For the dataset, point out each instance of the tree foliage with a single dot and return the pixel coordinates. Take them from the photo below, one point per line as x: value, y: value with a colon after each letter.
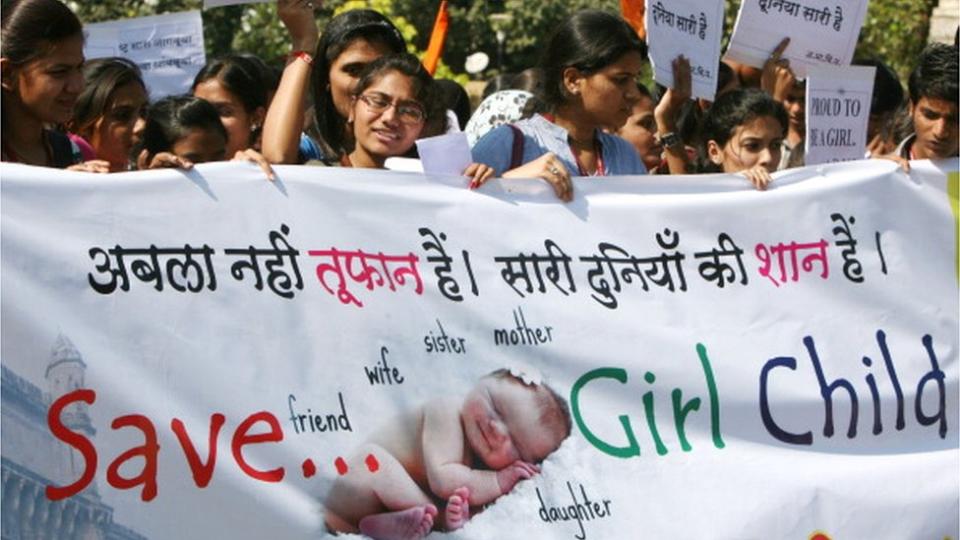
x: 894, y: 30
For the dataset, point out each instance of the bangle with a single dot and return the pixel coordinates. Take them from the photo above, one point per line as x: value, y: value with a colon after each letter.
x: 303, y: 55
x: 669, y: 140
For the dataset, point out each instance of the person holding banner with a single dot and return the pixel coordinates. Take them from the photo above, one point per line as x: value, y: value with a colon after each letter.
x: 390, y: 107
x: 234, y: 85
x: 183, y: 130
x: 350, y: 41
x: 41, y: 57
x: 590, y: 69
x: 744, y: 130
x: 110, y: 111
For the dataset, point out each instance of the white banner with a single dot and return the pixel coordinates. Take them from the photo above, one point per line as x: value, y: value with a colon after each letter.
x: 206, y: 354
x: 168, y: 48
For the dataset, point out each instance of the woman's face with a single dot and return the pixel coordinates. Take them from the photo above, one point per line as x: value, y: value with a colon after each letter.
x: 236, y: 120
x: 608, y: 94
x: 200, y: 145
x: 640, y: 130
x: 387, y: 118
x: 345, y: 70
x: 48, y: 87
x: 756, y: 142
x: 114, y: 135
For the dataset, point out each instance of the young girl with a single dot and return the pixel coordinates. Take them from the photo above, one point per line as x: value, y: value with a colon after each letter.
x: 744, y: 131
x: 108, y: 111
x: 390, y: 106
x: 590, y: 68
x: 41, y: 54
x: 183, y: 130
x: 234, y: 85
x: 350, y: 41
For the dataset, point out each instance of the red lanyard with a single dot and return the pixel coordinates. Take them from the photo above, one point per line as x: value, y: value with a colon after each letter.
x: 597, y: 147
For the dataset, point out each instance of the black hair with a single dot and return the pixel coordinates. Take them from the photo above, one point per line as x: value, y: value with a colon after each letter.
x: 172, y: 117
x: 270, y: 74
x: 887, y: 91
x: 725, y: 75
x: 101, y: 78
x: 530, y: 80
x: 342, y: 30
x: 30, y: 27
x: 936, y: 74
x: 645, y: 92
x: 737, y: 107
x: 238, y: 75
x: 455, y: 98
x: 589, y: 41
x: 503, y: 81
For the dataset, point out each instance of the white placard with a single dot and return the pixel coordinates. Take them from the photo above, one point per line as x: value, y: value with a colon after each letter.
x: 820, y: 32
x: 445, y: 154
x: 168, y: 48
x: 837, y: 112
x: 691, y: 28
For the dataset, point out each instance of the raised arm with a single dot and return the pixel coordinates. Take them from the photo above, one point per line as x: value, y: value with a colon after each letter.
x: 666, y: 114
x: 284, y: 122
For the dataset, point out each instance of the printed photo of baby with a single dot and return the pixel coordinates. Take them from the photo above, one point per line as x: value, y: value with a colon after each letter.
x: 441, y: 459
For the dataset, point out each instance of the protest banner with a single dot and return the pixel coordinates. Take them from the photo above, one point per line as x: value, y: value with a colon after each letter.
x: 168, y: 48
x: 820, y: 33
x: 206, y: 354
x: 837, y: 113
x: 691, y: 28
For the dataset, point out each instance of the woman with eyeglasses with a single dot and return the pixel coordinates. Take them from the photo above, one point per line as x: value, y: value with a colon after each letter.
x: 333, y: 63
x: 391, y: 104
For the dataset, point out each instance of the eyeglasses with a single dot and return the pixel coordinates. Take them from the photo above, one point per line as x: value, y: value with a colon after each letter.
x: 407, y: 112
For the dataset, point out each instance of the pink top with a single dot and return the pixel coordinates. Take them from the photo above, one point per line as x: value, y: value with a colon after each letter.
x: 85, y: 149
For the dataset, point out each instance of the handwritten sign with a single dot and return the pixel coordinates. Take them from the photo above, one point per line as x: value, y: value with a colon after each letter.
x: 838, y: 109
x: 821, y: 33
x: 168, y: 48
x: 691, y: 28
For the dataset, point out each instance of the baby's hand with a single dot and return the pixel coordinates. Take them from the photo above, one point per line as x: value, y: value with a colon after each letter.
x: 508, y: 476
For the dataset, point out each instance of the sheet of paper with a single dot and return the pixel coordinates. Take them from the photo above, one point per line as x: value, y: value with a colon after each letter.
x: 168, y: 48
x: 820, y: 32
x: 838, y: 109
x: 445, y: 154
x: 691, y: 28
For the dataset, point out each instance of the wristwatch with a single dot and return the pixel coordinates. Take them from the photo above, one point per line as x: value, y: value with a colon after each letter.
x: 669, y: 139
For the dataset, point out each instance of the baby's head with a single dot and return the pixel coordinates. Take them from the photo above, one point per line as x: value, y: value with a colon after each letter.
x: 505, y: 420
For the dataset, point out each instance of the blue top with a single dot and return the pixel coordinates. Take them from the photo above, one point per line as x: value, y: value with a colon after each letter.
x: 541, y: 136
x: 308, y: 149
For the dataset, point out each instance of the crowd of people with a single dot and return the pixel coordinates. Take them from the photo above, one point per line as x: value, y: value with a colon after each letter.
x: 351, y: 96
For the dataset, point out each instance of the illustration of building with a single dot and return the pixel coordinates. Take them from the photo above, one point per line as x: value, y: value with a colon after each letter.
x: 33, y: 459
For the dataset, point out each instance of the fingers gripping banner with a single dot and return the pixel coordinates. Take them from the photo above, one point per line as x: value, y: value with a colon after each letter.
x: 206, y: 354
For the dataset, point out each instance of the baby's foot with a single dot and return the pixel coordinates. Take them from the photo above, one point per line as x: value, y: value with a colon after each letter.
x: 410, y: 524
x: 457, y: 512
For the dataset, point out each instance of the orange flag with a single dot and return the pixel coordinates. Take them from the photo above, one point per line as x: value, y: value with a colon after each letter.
x: 437, y: 39
x: 632, y: 11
